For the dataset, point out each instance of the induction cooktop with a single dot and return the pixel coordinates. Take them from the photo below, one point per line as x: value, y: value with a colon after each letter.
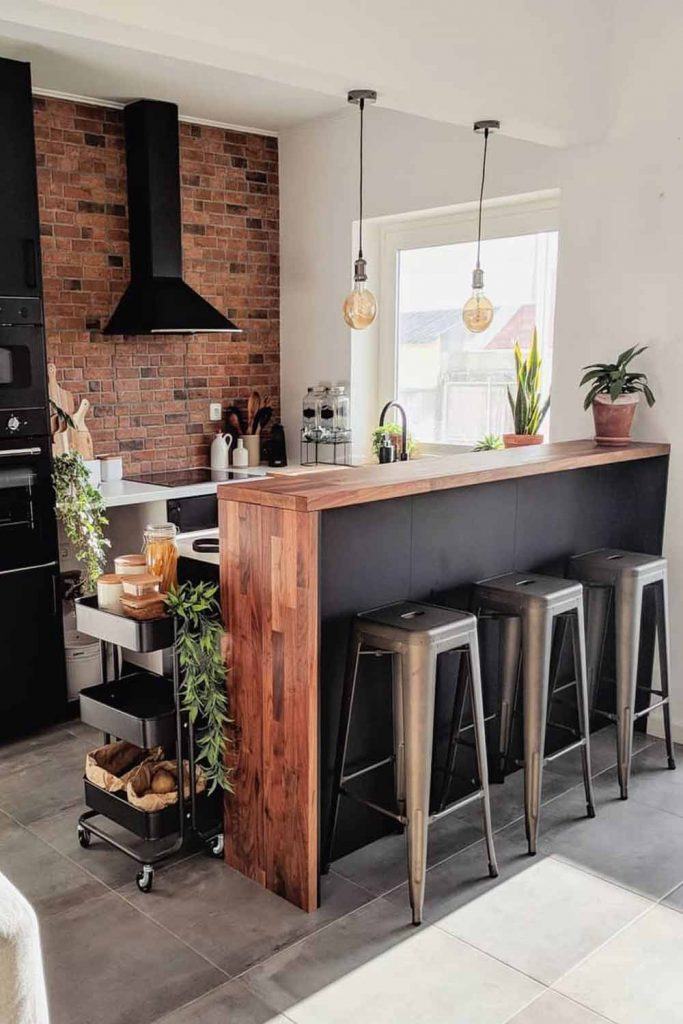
x: 186, y: 477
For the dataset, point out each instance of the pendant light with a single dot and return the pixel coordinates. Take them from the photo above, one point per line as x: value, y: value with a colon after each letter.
x: 477, y: 313
x: 360, y: 305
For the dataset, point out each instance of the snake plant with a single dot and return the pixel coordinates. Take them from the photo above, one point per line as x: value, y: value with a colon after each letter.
x: 527, y: 411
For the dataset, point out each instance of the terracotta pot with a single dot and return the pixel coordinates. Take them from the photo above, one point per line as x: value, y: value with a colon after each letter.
x: 521, y: 440
x: 613, y: 419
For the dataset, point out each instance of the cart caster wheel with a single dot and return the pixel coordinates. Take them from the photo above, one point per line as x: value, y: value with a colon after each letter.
x: 145, y: 878
x: 84, y: 837
x: 216, y: 846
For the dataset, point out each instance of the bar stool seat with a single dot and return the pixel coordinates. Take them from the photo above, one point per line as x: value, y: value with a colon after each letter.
x: 624, y: 575
x: 414, y: 634
x: 538, y: 603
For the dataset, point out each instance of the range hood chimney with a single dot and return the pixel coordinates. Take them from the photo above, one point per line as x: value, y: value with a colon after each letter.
x: 157, y: 300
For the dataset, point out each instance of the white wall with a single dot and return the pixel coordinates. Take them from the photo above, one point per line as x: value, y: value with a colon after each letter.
x: 620, y: 278
x: 411, y: 164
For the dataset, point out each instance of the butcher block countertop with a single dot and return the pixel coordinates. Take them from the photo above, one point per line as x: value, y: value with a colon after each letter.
x: 311, y: 492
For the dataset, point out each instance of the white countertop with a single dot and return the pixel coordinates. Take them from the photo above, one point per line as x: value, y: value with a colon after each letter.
x: 137, y: 492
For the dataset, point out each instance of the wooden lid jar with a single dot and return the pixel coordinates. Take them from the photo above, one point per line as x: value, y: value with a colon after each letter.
x: 130, y: 565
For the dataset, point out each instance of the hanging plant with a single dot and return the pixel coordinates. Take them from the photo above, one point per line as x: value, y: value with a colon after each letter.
x: 202, y: 667
x: 80, y: 509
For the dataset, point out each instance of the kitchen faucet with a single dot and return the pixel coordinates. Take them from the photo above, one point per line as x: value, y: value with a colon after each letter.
x: 404, y: 427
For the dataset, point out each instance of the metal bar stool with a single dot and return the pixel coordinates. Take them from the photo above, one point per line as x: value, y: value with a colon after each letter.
x: 539, y: 602
x: 624, y: 575
x: 414, y: 635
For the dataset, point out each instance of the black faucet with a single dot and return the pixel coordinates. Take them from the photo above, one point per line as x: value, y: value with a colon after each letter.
x: 404, y: 427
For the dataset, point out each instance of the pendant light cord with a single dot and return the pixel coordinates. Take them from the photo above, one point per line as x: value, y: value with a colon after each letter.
x: 481, y: 193
x: 360, y: 187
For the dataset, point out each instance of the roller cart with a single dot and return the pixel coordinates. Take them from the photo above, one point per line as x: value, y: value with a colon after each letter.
x: 146, y: 709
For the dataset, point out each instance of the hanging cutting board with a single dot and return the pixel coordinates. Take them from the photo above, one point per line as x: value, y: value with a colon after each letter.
x: 79, y: 438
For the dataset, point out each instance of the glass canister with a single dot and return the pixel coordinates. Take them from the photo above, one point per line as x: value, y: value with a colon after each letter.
x: 309, y: 415
x: 326, y: 415
x: 342, y: 420
x: 161, y: 552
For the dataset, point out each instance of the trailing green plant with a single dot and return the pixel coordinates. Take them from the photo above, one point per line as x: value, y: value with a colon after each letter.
x: 202, y: 667
x: 527, y: 411
x: 614, y: 379
x: 393, y: 430
x: 80, y: 508
x: 489, y: 443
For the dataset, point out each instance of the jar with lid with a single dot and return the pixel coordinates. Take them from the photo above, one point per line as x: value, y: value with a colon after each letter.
x: 309, y: 415
x: 326, y: 415
x: 161, y: 553
x: 342, y: 423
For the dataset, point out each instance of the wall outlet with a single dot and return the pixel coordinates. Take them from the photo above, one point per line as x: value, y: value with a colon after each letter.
x: 215, y: 412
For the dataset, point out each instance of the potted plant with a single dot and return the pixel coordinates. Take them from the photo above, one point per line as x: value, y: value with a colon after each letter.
x: 489, y: 443
x: 394, y: 432
x: 614, y: 393
x: 527, y: 411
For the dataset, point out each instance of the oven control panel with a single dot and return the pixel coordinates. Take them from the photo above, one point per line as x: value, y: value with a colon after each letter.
x: 23, y: 422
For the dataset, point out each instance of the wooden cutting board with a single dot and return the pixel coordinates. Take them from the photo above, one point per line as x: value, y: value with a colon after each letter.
x: 79, y: 439
x: 68, y: 439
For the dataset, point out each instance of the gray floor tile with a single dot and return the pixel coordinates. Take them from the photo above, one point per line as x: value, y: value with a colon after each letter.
x: 381, y: 865
x: 232, y: 920
x: 330, y: 954
x: 628, y: 842
x: 49, y: 881
x: 507, y: 798
x: 31, y: 751
x: 635, y: 978
x: 651, y: 782
x: 465, y: 876
x: 551, y: 1006
x: 232, y: 1003
x: 107, y: 963
x: 603, y: 753
x: 45, y: 780
x: 675, y: 899
x: 562, y: 912
x: 113, y: 868
x: 430, y: 978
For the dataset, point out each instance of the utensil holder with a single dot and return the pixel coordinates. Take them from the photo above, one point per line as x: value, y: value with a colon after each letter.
x: 252, y: 442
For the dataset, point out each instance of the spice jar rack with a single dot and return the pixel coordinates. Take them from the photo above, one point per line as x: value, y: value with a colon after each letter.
x: 144, y: 708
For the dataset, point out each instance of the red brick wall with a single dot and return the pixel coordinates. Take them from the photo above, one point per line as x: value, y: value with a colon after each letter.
x: 151, y: 397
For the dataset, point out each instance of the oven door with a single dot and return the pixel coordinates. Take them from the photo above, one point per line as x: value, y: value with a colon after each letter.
x: 28, y: 530
x: 23, y: 383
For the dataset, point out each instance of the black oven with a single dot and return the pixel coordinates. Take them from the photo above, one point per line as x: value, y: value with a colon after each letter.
x: 23, y: 386
x: 28, y: 533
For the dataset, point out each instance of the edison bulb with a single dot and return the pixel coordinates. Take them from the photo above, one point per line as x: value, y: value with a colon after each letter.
x: 477, y: 313
x: 360, y: 307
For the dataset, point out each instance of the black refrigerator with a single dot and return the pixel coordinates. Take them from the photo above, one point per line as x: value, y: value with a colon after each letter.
x: 32, y: 678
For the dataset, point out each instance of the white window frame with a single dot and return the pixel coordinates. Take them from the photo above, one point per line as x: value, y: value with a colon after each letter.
x: 526, y: 214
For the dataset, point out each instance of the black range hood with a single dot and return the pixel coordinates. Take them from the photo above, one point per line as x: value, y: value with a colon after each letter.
x: 157, y: 300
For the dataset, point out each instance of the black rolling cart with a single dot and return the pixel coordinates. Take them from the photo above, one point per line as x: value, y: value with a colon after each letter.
x: 146, y: 709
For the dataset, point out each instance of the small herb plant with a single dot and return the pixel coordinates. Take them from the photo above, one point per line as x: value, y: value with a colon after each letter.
x: 198, y: 643
x: 527, y: 411
x: 80, y: 509
x: 489, y: 443
x: 394, y: 431
x: 614, y: 379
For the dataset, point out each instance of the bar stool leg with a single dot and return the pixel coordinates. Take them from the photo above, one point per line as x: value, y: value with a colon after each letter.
x: 536, y: 643
x: 583, y: 707
x: 510, y: 647
x: 351, y: 673
x: 596, y: 611
x: 662, y: 612
x: 419, y: 685
x: 457, y: 714
x: 480, y: 743
x: 627, y: 609
x: 399, y: 734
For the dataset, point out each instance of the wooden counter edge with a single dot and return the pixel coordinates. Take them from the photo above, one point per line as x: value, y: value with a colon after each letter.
x: 309, y: 493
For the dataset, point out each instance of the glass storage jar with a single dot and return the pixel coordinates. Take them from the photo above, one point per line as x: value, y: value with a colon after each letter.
x: 161, y: 553
x: 326, y: 415
x: 309, y: 415
x: 342, y: 422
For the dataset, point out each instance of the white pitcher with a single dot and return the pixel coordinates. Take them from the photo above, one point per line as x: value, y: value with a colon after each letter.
x: 220, y: 450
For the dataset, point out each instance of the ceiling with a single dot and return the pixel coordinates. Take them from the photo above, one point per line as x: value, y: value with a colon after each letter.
x: 535, y: 65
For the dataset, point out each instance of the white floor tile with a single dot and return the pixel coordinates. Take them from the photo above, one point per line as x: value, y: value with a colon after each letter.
x: 546, y: 919
x: 636, y: 978
x: 431, y: 978
x: 552, y: 1007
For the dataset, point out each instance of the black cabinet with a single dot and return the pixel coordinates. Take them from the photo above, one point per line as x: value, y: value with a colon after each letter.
x: 32, y: 683
x: 19, y: 224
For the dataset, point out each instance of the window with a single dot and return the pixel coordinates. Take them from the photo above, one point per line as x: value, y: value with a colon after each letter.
x: 452, y: 383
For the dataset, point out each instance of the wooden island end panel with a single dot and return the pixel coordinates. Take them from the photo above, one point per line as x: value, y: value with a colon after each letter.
x: 269, y: 595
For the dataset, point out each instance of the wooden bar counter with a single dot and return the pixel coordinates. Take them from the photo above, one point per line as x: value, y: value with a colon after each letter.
x: 301, y: 555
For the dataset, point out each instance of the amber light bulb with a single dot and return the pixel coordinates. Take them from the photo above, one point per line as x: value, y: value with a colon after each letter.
x: 477, y: 313
x: 360, y: 305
